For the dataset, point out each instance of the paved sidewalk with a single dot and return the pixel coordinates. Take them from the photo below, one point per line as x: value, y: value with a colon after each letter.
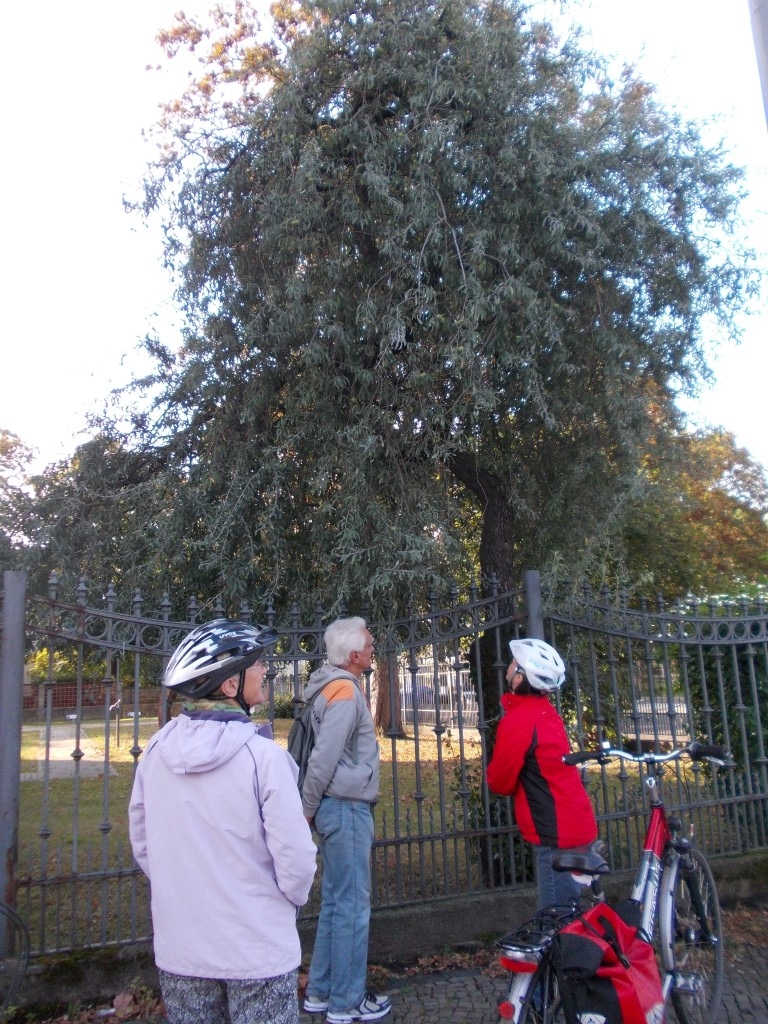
x: 745, y: 999
x: 469, y: 997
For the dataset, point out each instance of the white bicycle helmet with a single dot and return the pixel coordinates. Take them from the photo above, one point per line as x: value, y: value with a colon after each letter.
x: 214, y: 652
x: 542, y: 665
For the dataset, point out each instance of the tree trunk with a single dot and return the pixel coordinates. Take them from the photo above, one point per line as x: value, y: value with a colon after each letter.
x: 388, y: 715
x: 498, y: 554
x: 499, y: 533
x: 499, y: 565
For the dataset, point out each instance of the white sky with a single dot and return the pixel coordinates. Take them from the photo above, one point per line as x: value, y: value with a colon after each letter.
x: 81, y: 280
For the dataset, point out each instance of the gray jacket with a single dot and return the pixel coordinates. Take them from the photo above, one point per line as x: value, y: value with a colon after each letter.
x: 344, y: 762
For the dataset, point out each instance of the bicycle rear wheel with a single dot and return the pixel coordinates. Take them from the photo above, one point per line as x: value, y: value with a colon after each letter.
x: 542, y: 1004
x: 14, y: 954
x: 691, y: 935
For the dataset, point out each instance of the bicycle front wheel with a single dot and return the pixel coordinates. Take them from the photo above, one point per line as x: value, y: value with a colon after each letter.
x: 691, y: 936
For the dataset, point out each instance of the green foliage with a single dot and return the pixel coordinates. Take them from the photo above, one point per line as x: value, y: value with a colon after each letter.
x: 102, y: 512
x: 283, y: 705
x: 438, y: 275
x: 64, y: 664
x: 16, y: 505
x: 503, y: 856
x: 740, y: 724
x: 701, y: 526
x: 741, y: 729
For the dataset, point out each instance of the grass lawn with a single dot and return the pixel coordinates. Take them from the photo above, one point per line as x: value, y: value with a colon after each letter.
x: 70, y: 806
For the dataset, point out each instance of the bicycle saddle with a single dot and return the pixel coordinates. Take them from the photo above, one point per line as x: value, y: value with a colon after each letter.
x: 584, y: 860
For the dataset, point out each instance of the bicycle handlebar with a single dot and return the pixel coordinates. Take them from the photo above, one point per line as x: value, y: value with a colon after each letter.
x: 712, y: 752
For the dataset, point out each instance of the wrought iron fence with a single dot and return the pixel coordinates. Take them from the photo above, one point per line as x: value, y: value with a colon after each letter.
x: 636, y: 675
x: 657, y: 675
x: 438, y: 692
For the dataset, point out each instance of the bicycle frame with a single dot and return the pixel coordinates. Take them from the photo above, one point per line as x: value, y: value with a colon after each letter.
x: 658, y: 866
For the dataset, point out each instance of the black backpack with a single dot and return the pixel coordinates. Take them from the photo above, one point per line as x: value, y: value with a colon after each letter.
x: 301, y: 738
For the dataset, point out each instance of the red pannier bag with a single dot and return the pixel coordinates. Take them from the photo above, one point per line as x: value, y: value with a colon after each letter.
x: 606, y: 969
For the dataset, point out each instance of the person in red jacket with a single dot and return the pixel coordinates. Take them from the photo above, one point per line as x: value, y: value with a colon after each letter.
x: 552, y: 808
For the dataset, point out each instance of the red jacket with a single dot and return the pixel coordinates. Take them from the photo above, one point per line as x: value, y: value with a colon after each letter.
x: 552, y: 808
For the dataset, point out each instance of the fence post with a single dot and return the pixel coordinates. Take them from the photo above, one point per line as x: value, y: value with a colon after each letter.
x: 534, y: 625
x: 11, y: 703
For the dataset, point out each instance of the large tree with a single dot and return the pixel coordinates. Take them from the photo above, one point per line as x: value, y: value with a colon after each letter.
x: 436, y: 270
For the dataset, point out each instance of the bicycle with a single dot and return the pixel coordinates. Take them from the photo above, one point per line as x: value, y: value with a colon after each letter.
x: 14, y: 954
x: 674, y: 891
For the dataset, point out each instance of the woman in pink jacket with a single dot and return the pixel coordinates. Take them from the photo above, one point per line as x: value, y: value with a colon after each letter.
x: 552, y: 809
x: 216, y: 825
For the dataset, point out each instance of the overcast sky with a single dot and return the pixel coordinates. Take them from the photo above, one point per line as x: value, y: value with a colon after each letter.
x: 82, y: 281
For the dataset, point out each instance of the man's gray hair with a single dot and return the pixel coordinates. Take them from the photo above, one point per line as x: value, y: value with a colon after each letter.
x: 342, y: 637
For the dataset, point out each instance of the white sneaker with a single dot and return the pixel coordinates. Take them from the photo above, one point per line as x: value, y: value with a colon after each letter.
x: 313, y: 1005
x: 371, y: 1007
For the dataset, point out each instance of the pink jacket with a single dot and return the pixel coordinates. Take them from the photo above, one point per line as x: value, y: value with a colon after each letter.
x: 217, y: 826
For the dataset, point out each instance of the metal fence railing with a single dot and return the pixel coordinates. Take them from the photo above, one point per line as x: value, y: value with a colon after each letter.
x: 439, y: 692
x: 661, y: 676
x: 635, y: 675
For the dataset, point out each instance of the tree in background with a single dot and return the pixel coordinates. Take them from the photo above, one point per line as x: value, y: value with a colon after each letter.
x: 102, y: 511
x: 437, y: 273
x: 702, y: 525
x: 16, y: 502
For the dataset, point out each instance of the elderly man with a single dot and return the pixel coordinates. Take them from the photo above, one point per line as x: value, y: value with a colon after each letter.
x: 341, y: 785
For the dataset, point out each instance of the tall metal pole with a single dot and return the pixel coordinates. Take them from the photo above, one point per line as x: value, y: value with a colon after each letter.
x: 11, y: 702
x: 759, y: 12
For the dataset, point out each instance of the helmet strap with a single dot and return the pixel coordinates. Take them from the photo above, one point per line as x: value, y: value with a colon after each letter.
x: 239, y: 695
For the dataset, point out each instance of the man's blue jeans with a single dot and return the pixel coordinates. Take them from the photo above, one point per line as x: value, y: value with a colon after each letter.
x: 554, y: 886
x: 340, y: 957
